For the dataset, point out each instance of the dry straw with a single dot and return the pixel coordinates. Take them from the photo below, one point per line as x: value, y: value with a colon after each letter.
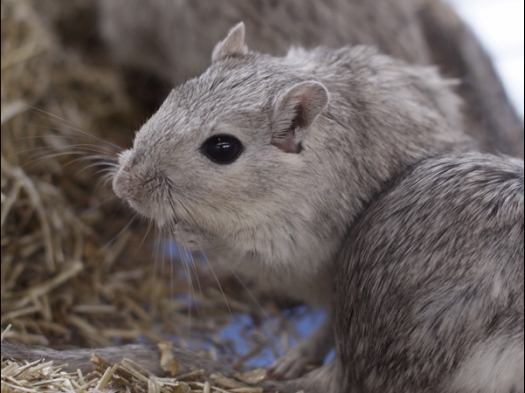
x: 42, y: 376
x: 74, y: 271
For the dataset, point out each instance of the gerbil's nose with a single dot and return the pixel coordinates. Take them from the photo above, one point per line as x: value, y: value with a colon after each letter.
x: 125, y: 184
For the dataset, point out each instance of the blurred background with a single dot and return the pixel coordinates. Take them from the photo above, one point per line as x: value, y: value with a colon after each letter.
x: 500, y: 27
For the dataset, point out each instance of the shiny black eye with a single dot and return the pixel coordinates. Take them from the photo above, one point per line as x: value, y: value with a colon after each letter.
x: 222, y: 149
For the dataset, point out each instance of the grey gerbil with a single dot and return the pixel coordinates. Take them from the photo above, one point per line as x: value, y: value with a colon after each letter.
x: 308, y: 139
x: 173, y: 39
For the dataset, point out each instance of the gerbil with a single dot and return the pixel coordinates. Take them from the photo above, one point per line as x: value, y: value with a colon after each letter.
x: 173, y: 39
x: 268, y: 161
x: 429, y: 286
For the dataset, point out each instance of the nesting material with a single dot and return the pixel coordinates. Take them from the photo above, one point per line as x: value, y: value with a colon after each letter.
x: 77, y: 268
x: 42, y: 376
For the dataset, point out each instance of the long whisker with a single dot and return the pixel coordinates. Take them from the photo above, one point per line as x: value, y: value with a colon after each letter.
x: 191, y: 295
x: 150, y: 224
x: 249, y: 292
x: 98, y: 205
x: 55, y: 155
x: 123, y: 230
x: 96, y: 164
x: 191, y: 288
x: 157, y: 256
x: 218, y: 283
x: 186, y: 253
x: 69, y: 124
x: 86, y: 148
x: 54, y: 138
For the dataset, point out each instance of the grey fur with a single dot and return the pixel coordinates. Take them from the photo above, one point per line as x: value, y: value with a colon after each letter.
x: 429, y: 291
x: 275, y: 215
x: 173, y: 38
x: 429, y: 286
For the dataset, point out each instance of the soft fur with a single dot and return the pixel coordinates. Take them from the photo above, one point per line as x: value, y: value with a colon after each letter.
x: 430, y: 283
x: 354, y: 119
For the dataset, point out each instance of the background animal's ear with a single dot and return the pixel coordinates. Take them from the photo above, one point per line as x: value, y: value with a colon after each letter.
x: 294, y: 111
x: 233, y: 44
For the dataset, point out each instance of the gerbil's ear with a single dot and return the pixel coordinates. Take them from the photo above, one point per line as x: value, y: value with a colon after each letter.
x: 233, y: 44
x: 294, y: 111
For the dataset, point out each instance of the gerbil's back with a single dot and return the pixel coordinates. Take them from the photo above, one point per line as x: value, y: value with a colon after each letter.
x: 370, y: 80
x: 433, y: 276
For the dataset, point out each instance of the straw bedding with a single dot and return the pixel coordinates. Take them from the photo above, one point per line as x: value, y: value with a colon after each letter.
x: 77, y: 268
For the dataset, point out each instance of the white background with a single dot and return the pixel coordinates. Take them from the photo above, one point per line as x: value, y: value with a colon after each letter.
x: 499, y: 25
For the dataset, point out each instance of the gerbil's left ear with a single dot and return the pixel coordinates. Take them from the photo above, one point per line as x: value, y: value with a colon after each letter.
x: 233, y: 44
x: 294, y: 111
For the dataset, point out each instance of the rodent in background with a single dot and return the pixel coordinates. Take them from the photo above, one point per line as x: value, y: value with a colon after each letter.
x: 173, y: 39
x: 267, y: 161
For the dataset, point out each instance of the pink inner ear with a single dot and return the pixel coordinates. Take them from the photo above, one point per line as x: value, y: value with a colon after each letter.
x: 295, y: 112
x: 287, y: 143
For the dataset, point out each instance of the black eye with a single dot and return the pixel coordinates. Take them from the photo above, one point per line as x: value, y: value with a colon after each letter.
x: 222, y: 149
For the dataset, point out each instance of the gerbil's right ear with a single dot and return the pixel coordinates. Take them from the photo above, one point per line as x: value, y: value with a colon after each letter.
x: 233, y: 44
x: 294, y: 111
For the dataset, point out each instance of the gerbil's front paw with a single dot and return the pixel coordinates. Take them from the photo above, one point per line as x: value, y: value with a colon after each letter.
x: 293, y: 364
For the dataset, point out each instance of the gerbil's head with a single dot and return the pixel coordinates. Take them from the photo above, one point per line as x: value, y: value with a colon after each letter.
x: 223, y: 153
x: 253, y: 156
